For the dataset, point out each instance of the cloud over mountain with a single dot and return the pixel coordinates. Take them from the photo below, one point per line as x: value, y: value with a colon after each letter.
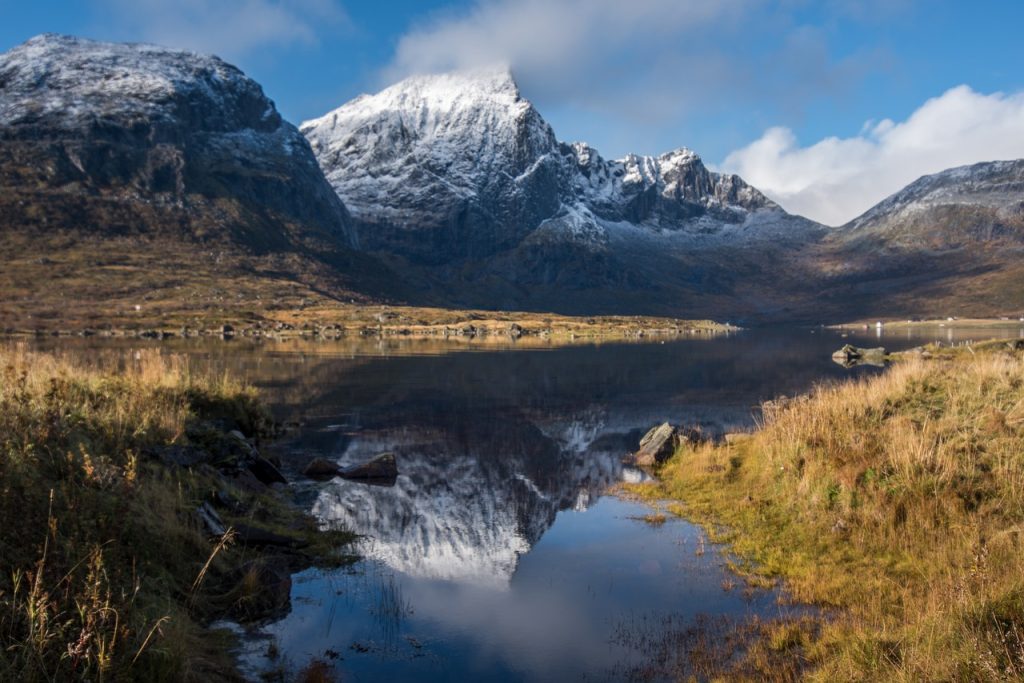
x: 836, y: 179
x: 647, y: 66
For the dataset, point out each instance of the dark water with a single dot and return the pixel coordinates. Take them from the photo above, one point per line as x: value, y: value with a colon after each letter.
x: 498, y: 555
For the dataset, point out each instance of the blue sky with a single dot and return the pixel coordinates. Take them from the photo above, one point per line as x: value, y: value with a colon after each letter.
x: 791, y: 93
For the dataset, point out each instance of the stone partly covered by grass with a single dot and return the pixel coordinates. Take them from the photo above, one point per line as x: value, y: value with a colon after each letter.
x: 107, y: 572
x: 896, y: 502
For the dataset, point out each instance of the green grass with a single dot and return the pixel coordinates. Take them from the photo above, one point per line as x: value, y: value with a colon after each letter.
x: 104, y: 571
x: 894, y: 502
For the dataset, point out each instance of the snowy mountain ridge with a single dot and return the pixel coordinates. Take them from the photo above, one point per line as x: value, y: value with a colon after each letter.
x: 441, y: 154
x: 993, y: 184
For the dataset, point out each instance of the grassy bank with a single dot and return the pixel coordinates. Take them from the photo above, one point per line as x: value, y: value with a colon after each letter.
x: 896, y: 502
x: 106, y: 572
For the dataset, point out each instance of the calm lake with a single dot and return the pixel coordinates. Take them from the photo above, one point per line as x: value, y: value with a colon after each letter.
x: 499, y: 554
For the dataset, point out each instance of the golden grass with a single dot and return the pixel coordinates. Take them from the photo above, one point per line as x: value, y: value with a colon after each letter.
x: 897, y: 500
x: 99, y: 547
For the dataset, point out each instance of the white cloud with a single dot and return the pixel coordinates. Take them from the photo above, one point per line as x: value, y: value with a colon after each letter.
x: 641, y: 62
x: 228, y: 28
x: 837, y: 179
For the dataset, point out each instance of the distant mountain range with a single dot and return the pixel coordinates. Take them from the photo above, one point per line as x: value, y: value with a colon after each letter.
x: 453, y: 190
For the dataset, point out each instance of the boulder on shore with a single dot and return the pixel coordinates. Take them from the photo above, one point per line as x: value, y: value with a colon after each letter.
x: 656, y: 446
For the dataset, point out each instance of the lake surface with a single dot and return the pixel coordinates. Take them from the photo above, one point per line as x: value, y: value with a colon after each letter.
x: 498, y: 554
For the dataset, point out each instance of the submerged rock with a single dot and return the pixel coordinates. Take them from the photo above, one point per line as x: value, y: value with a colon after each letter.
x: 381, y: 467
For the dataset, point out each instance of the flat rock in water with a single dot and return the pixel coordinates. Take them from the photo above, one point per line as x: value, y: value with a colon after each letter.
x: 850, y: 355
x: 321, y: 468
x: 381, y: 467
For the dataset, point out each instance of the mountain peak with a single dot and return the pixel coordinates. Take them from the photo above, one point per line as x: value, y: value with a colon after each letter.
x: 429, y: 96
x: 682, y: 156
x: 982, y: 195
x: 58, y: 78
x: 494, y: 80
x: 433, y: 141
x: 48, y: 51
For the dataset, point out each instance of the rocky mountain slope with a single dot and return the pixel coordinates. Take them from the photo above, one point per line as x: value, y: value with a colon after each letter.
x: 110, y: 148
x: 458, y: 174
x: 951, y: 243
x: 128, y: 123
x: 959, y: 207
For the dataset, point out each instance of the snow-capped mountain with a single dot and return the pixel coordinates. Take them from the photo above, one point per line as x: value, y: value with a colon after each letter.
x: 441, y: 167
x: 964, y: 205
x: 181, y: 142
x: 447, y: 167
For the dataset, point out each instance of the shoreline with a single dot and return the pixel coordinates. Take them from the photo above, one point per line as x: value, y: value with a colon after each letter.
x: 860, y: 499
x: 948, y: 323
x: 386, y: 322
